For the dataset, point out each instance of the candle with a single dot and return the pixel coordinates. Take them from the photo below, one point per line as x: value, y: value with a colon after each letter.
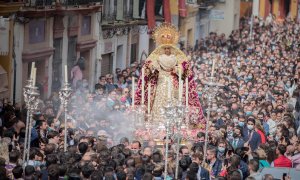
x: 213, y: 68
x: 32, y: 67
x: 66, y: 74
x: 179, y: 85
x: 132, y: 90
x: 149, y: 95
x: 186, y: 92
x: 169, y: 88
x: 34, y: 76
x: 143, y: 88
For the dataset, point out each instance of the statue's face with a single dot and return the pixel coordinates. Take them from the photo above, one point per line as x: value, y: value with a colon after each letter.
x: 167, y: 51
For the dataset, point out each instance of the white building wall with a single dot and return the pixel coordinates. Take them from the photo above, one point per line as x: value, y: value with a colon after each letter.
x: 231, y: 9
x: 255, y: 10
x: 50, y: 58
x: 143, y: 45
x: 19, y: 43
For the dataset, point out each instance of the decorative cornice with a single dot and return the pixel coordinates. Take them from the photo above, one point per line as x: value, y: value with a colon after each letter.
x: 86, y: 45
x: 33, y: 12
x: 7, y: 9
x: 28, y: 56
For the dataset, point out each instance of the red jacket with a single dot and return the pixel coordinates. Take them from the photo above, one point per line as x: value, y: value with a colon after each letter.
x: 262, y: 136
x: 282, y: 161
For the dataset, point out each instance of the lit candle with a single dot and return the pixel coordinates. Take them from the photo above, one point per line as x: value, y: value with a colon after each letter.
x: 66, y: 74
x: 32, y: 67
x: 34, y: 76
x: 186, y: 92
x: 179, y: 85
x: 149, y: 95
x: 143, y: 88
x: 132, y: 90
x: 169, y: 88
x: 213, y: 68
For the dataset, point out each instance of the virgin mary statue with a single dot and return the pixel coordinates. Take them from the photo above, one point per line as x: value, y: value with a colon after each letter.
x: 168, y: 63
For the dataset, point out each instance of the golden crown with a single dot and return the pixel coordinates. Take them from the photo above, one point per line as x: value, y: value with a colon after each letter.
x: 166, y: 34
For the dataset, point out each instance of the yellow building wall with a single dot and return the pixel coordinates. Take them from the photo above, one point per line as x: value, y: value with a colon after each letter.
x: 174, y: 7
x: 262, y: 8
x: 294, y: 8
x: 276, y: 8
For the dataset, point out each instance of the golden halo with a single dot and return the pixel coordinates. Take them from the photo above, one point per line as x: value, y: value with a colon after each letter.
x: 166, y: 34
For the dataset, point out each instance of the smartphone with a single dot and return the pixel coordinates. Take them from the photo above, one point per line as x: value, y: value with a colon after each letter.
x: 284, y: 176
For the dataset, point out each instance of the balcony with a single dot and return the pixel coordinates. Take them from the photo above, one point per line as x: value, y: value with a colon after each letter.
x: 44, y: 4
x: 204, y: 4
x: 9, y: 7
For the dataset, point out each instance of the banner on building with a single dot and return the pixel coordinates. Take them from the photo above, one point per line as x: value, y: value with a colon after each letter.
x: 217, y: 15
x: 4, y: 36
x: 182, y: 8
x: 150, y: 14
x: 167, y: 11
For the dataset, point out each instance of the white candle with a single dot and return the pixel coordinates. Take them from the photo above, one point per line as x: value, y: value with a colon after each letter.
x: 132, y: 90
x: 213, y: 68
x: 179, y: 85
x: 66, y: 74
x: 186, y: 92
x: 34, y: 76
x: 31, y: 72
x: 169, y: 88
x: 143, y: 88
x: 149, y: 95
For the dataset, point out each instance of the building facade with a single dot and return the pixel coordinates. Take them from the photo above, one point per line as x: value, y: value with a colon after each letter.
x: 53, y: 35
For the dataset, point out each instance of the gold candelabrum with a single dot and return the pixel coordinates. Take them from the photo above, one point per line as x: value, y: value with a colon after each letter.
x: 31, y: 95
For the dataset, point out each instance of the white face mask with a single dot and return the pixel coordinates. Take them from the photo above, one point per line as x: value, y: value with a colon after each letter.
x: 250, y: 127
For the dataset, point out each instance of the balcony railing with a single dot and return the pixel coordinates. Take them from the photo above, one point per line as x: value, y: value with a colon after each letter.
x: 206, y: 3
x: 43, y: 3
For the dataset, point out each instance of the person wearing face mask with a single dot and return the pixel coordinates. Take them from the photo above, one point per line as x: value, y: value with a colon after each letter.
x: 237, y: 141
x: 221, y: 154
x: 251, y: 137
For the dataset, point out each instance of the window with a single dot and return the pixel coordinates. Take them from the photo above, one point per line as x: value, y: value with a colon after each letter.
x: 37, y: 31
x: 133, y: 53
x: 86, y: 25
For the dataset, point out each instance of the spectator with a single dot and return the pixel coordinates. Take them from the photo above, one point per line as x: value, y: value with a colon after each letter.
x: 282, y: 160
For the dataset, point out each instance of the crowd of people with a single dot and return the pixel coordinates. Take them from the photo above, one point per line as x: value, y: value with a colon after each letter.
x: 254, y: 118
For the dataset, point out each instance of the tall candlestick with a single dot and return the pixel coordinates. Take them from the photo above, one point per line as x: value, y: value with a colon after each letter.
x: 143, y: 86
x: 66, y: 74
x: 132, y: 90
x: 187, y: 92
x: 31, y: 72
x: 169, y: 88
x: 149, y: 95
x: 34, y: 76
x: 213, y: 68
x: 179, y: 85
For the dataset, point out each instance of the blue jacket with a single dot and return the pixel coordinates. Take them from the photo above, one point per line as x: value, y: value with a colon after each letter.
x: 216, y: 168
x: 204, y: 174
x: 240, y: 143
x: 255, y: 139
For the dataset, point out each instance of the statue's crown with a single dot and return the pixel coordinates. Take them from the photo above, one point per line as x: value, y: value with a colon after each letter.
x: 166, y: 34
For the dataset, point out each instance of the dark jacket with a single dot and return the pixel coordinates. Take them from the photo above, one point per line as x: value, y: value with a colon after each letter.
x: 240, y: 143
x: 204, y: 174
x: 255, y: 140
x: 216, y: 168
